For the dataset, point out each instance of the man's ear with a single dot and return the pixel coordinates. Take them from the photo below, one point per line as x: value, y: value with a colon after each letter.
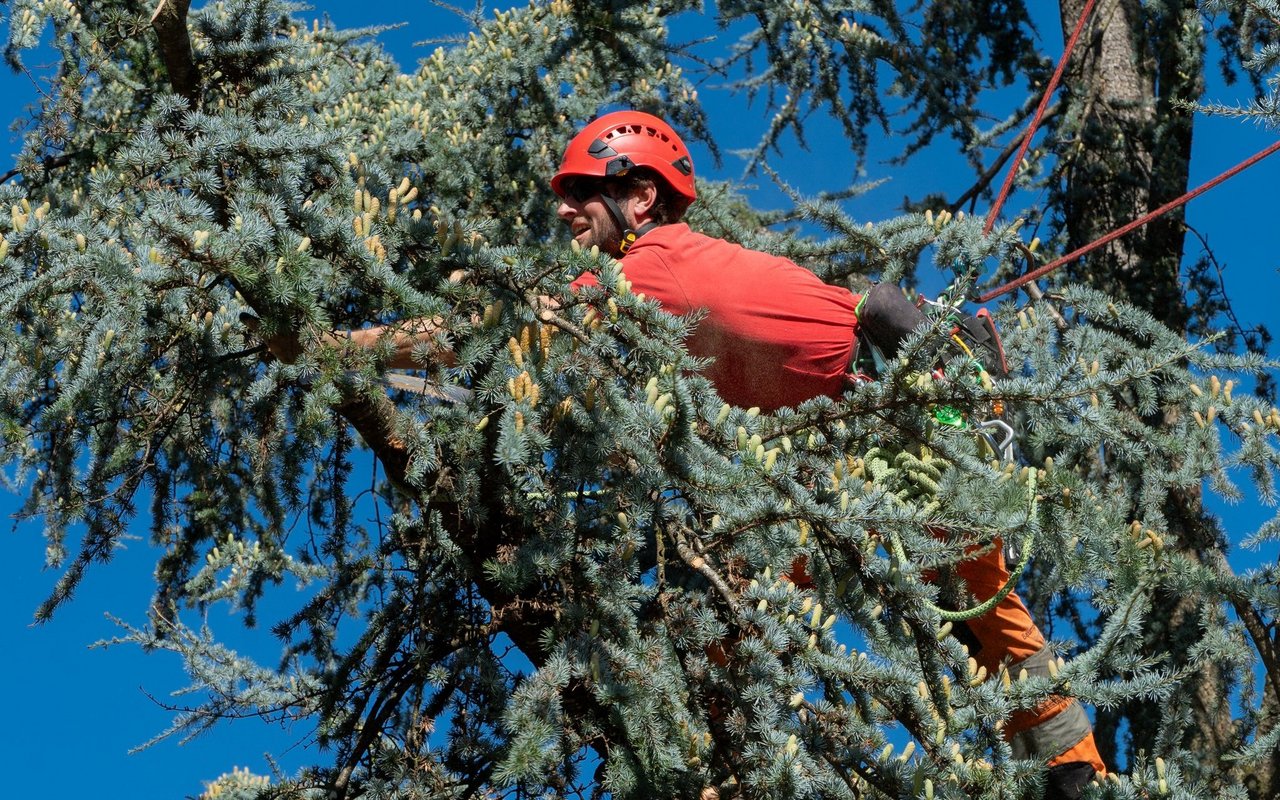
x: 643, y: 198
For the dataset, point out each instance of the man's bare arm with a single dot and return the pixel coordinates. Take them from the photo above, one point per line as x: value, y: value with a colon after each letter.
x: 406, y: 337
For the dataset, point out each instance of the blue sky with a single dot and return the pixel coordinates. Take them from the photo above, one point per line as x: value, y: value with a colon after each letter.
x: 76, y: 712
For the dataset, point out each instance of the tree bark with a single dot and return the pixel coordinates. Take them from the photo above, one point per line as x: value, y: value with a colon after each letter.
x: 169, y: 20
x: 1129, y: 147
x: 1127, y: 150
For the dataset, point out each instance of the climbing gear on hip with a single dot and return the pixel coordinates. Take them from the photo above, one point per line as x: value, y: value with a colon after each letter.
x: 886, y: 319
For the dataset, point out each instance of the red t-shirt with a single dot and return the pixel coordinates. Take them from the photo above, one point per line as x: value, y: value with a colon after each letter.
x: 778, y: 334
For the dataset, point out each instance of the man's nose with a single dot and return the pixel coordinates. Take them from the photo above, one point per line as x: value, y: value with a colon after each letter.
x: 564, y: 211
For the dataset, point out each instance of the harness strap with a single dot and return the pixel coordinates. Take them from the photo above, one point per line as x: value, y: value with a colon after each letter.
x: 629, y: 235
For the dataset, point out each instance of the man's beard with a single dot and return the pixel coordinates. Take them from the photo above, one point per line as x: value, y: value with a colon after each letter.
x: 609, y: 236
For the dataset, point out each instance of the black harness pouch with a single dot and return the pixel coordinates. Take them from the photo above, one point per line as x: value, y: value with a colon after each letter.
x: 886, y: 318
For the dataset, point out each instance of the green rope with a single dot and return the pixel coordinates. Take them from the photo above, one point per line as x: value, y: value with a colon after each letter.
x: 983, y: 608
x: 922, y: 475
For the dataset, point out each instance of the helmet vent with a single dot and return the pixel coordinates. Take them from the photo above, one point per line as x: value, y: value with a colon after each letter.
x: 599, y: 149
x: 644, y: 129
x: 621, y: 142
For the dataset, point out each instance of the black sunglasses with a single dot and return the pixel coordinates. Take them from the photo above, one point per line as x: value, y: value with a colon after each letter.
x: 581, y: 190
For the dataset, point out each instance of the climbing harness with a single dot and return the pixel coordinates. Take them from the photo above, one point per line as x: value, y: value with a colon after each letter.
x: 886, y: 319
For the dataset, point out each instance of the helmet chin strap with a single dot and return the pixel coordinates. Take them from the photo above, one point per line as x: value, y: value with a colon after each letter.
x: 629, y: 235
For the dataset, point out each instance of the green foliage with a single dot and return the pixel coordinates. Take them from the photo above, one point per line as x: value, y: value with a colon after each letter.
x: 592, y: 506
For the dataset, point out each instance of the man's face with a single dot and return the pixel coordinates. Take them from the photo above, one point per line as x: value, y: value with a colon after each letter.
x: 588, y: 218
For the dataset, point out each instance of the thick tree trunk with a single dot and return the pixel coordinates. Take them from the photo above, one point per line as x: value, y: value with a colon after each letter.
x: 1131, y: 150
x: 1127, y: 150
x: 169, y: 19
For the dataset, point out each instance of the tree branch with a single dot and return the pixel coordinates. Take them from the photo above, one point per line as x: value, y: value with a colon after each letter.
x: 1253, y: 624
x: 372, y: 415
x: 169, y: 20
x: 47, y: 163
x: 699, y: 564
x: 374, y: 418
x: 1037, y: 294
x: 984, y: 180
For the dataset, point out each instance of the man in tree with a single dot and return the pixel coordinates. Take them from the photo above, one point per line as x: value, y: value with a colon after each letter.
x: 776, y: 336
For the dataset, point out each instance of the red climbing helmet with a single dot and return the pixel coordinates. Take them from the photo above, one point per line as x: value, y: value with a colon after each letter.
x: 623, y: 140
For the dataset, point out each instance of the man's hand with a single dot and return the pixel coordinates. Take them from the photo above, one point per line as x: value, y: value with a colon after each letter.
x: 285, y: 348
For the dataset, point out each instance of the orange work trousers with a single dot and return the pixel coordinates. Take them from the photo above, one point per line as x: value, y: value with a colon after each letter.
x: 1008, y: 635
x: 1057, y: 729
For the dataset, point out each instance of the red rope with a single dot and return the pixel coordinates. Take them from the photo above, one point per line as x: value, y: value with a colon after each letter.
x: 1122, y: 230
x: 1035, y: 120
